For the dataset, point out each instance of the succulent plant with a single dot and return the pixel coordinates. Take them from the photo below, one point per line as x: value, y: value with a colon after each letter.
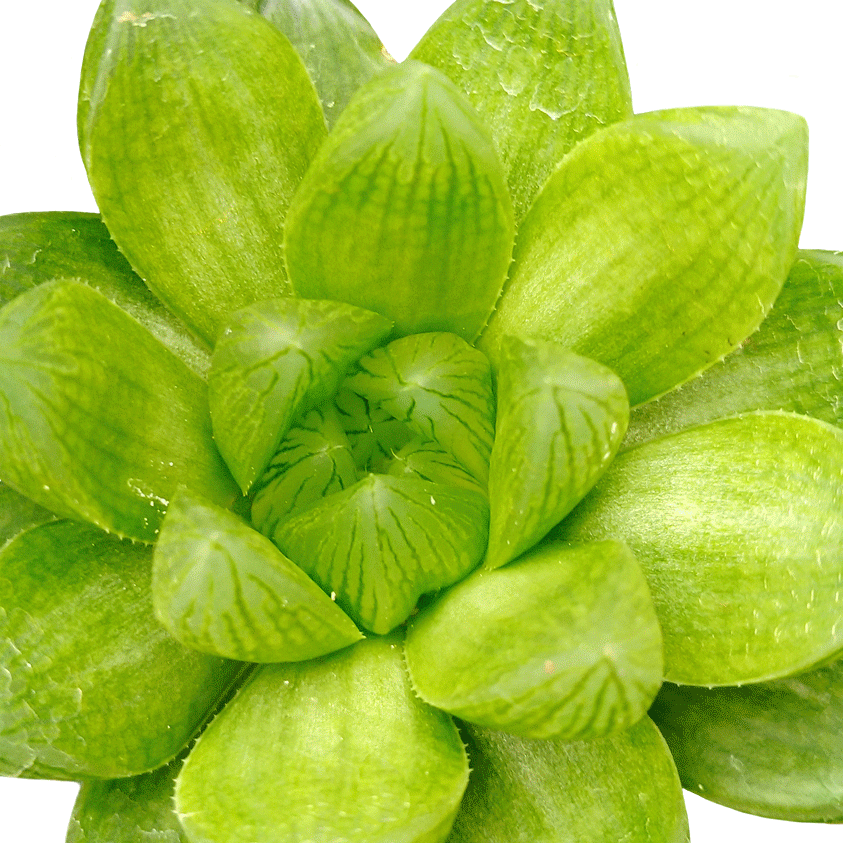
x: 424, y: 451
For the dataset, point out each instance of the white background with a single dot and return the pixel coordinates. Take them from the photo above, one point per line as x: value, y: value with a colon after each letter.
x: 745, y: 52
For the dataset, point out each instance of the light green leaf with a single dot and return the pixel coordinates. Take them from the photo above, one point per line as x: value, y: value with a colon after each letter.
x: 561, y: 419
x: 18, y: 514
x: 405, y: 210
x: 40, y: 247
x: 276, y: 360
x: 84, y: 662
x: 441, y: 388
x: 793, y: 362
x: 100, y: 421
x: 774, y: 749
x: 542, y: 75
x: 386, y: 541
x: 314, y: 460
x: 738, y: 525
x: 659, y: 244
x: 334, y: 749
x: 339, y: 48
x: 223, y: 588
x: 562, y: 643
x: 620, y: 788
x: 197, y: 120
x: 425, y: 460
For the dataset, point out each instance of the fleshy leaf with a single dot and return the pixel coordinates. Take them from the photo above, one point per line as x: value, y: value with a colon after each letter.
x: 543, y: 76
x: 314, y: 460
x: 561, y: 419
x: 100, y: 421
x: 18, y: 514
x: 562, y: 643
x: 794, y: 362
x: 774, y: 749
x: 276, y: 360
x: 223, y: 588
x: 40, y: 247
x: 405, y: 210
x: 197, y: 120
x: 338, y: 46
x: 425, y: 460
x: 738, y: 525
x: 333, y: 749
x: 623, y: 787
x: 386, y: 541
x: 84, y: 662
x: 659, y: 244
x: 440, y: 387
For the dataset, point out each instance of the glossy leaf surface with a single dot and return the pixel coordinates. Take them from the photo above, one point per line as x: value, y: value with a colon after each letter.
x: 197, y: 120
x: 339, y: 48
x: 274, y: 361
x: 738, y: 525
x: 386, y: 541
x: 562, y: 643
x: 774, y: 749
x: 84, y: 661
x: 525, y: 790
x: 660, y: 243
x: 793, y: 362
x: 543, y: 76
x: 223, y: 588
x: 334, y: 749
x: 560, y: 421
x: 405, y: 210
x: 101, y: 422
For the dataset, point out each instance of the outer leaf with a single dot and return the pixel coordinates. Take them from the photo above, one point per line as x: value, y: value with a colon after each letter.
x: 274, y: 361
x: 339, y: 48
x: 660, y: 243
x: 221, y: 587
x: 774, y: 749
x: 738, y: 525
x: 334, y: 749
x: 534, y: 791
x: 99, y: 421
x: 40, y: 247
x: 405, y: 210
x: 563, y: 643
x: 196, y: 122
x: 542, y: 75
x: 84, y: 661
x: 794, y: 362
x: 441, y: 388
x: 386, y: 541
x: 561, y: 419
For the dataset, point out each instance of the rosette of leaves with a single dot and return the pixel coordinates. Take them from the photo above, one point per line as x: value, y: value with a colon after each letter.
x: 317, y: 516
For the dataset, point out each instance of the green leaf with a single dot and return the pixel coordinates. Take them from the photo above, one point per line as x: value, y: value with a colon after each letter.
x: 562, y: 643
x: 98, y: 420
x: 793, y: 362
x: 561, y: 419
x: 623, y: 787
x: 659, y: 244
x: 314, y: 460
x: 40, y: 247
x: 405, y: 210
x: 223, y: 588
x: 84, y: 661
x: 425, y: 460
x: 18, y: 514
x: 339, y: 48
x: 274, y: 361
x: 197, y: 120
x: 334, y: 749
x: 774, y: 749
x: 128, y: 810
x: 738, y: 525
x: 386, y: 541
x: 441, y: 388
x: 543, y: 76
